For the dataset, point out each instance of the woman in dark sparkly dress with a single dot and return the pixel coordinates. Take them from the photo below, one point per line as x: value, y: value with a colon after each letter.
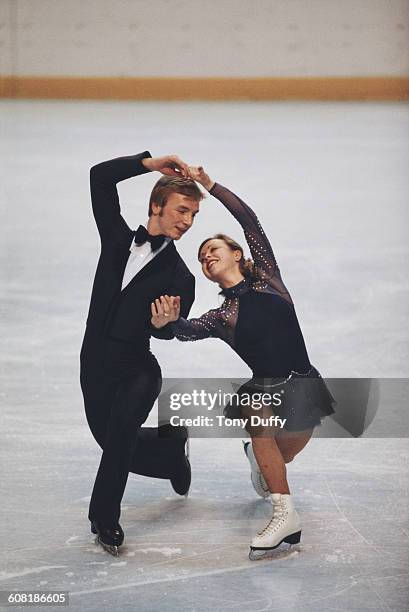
x: 258, y: 320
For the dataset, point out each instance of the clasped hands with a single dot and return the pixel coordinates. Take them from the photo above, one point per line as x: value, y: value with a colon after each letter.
x: 172, y: 165
x: 164, y: 310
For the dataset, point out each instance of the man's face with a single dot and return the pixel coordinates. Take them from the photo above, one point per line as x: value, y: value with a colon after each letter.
x: 176, y: 217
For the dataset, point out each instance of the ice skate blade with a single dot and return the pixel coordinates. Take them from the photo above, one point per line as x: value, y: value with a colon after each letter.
x: 265, y: 493
x: 256, y: 478
x: 112, y: 549
x: 273, y: 553
x: 257, y: 553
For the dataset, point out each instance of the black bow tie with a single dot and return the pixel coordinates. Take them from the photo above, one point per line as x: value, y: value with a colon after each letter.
x: 142, y: 235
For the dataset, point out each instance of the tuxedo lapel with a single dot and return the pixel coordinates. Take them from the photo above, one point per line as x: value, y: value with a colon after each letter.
x: 165, y: 259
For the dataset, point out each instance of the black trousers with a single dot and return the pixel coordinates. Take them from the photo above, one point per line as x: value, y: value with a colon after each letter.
x: 120, y: 384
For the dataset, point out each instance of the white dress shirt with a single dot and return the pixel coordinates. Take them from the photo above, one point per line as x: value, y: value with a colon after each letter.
x: 138, y: 258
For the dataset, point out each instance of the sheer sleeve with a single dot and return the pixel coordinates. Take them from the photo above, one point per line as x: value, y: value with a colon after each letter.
x: 209, y: 325
x: 260, y: 247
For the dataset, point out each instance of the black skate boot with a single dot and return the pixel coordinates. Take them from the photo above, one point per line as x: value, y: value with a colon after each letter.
x: 110, y: 537
x: 181, y: 481
x: 183, y: 475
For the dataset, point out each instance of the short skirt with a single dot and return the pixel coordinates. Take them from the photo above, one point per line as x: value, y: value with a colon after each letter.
x: 303, y: 400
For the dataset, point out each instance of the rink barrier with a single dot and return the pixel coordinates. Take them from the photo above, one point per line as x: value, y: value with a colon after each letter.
x: 206, y: 88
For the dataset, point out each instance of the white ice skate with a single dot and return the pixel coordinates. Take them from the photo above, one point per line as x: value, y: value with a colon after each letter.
x: 257, y: 479
x: 284, y: 526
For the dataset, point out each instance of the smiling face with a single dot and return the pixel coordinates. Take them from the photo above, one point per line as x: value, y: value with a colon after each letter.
x: 219, y: 262
x: 175, y: 217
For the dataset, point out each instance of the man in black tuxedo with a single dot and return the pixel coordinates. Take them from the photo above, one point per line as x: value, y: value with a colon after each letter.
x: 120, y: 377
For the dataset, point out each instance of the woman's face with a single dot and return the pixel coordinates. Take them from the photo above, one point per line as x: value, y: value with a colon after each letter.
x: 218, y: 260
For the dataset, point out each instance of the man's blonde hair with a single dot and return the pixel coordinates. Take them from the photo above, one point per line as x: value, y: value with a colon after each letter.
x: 167, y: 185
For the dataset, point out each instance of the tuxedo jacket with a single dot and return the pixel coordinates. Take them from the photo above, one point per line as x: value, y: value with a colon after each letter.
x: 125, y: 314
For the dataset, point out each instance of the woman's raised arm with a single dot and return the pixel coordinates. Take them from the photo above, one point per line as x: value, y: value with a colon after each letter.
x: 260, y: 248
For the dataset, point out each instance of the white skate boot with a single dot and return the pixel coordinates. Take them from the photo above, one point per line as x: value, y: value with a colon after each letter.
x: 284, y: 526
x: 257, y: 479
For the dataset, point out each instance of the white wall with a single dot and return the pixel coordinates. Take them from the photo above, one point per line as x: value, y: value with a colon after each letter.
x: 204, y: 37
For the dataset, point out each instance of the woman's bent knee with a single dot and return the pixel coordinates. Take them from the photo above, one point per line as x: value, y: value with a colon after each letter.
x: 288, y: 457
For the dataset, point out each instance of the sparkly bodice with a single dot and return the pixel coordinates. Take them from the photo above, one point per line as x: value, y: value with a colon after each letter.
x: 257, y: 317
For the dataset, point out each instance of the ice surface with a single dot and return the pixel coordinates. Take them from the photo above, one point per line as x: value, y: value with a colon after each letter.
x: 329, y: 183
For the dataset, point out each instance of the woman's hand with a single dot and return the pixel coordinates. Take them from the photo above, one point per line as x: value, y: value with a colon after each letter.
x: 198, y: 174
x: 164, y: 310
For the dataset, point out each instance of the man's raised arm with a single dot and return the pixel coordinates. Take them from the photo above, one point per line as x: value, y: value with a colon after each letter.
x: 105, y: 176
x: 104, y: 194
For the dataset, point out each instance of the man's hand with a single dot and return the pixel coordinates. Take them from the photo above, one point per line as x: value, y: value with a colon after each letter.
x: 171, y: 165
x: 198, y: 174
x: 164, y: 310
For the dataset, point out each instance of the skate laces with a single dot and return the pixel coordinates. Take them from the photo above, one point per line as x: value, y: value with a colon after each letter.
x: 280, y: 513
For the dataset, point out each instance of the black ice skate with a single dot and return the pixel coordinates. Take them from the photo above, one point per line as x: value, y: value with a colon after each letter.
x: 110, y: 538
x: 181, y: 482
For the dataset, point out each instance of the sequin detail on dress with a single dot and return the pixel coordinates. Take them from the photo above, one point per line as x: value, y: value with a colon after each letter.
x: 258, y: 320
x: 221, y: 322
